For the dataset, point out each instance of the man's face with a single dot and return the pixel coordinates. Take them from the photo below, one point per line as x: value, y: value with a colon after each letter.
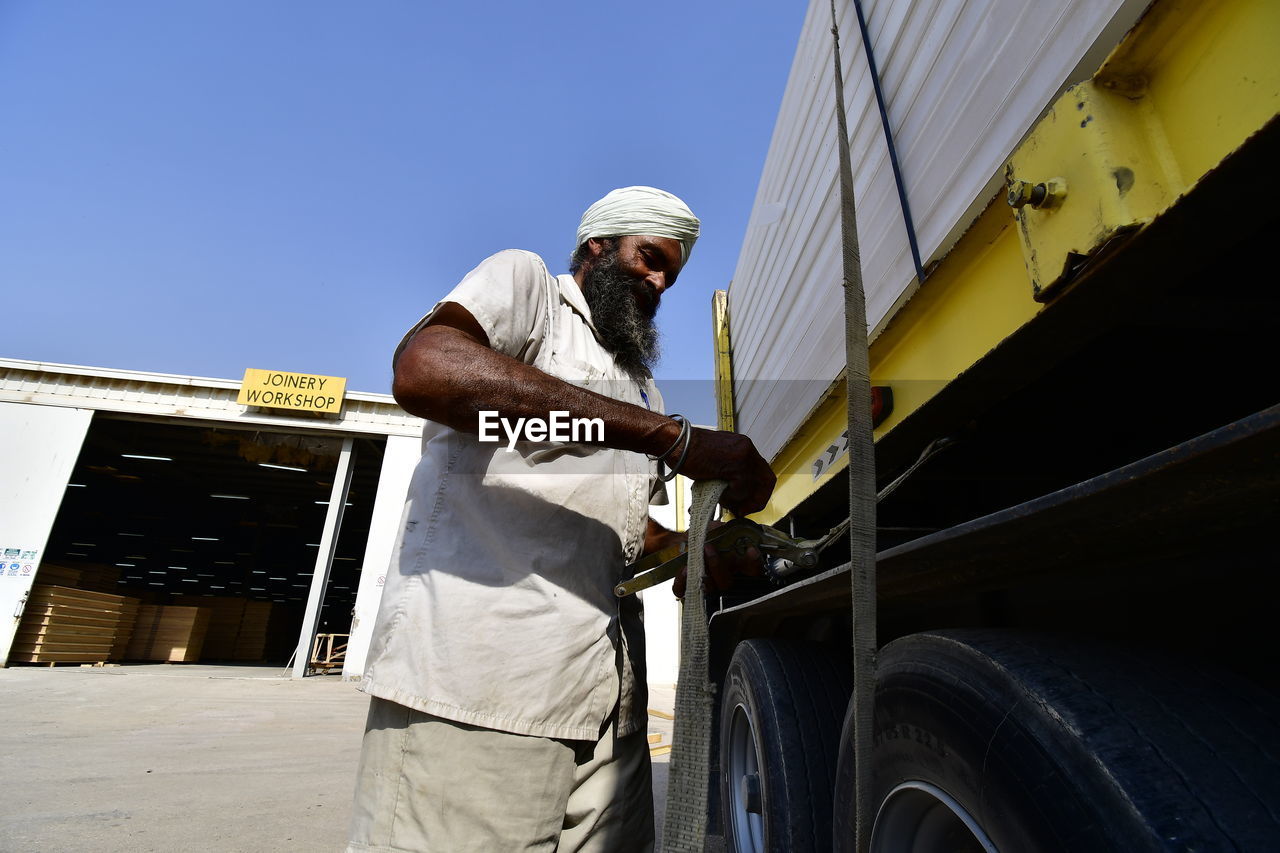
x: 623, y: 284
x: 654, y: 262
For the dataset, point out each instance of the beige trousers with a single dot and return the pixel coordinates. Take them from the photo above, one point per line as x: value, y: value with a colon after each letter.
x: 430, y: 784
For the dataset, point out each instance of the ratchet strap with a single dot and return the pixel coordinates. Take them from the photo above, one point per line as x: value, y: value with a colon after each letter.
x: 862, y: 478
x: 684, y: 828
x: 733, y: 537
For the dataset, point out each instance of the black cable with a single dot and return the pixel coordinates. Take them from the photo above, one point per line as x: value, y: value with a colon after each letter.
x: 888, y: 136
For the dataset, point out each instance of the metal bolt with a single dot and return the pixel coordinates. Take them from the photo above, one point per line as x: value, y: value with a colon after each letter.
x: 1019, y: 193
x: 1042, y: 195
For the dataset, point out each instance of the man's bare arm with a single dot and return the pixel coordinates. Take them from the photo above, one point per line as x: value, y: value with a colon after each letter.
x: 448, y: 373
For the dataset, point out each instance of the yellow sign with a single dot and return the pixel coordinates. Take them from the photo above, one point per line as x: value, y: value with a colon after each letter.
x: 300, y: 392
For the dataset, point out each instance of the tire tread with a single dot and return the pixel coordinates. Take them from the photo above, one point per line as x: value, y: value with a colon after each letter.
x: 1186, y: 755
x: 801, y: 692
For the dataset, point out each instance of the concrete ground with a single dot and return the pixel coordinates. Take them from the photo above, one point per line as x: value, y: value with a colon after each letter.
x: 175, y: 758
x: 662, y: 701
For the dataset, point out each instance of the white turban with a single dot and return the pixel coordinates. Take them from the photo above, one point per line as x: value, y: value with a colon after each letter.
x: 641, y: 210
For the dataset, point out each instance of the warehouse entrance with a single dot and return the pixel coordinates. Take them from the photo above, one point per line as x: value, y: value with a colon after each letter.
x: 210, y: 533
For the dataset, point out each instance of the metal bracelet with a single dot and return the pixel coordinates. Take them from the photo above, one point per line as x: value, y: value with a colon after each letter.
x: 684, y: 424
x: 686, y: 435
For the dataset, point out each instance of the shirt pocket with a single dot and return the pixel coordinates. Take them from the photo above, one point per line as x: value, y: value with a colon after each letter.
x: 574, y: 371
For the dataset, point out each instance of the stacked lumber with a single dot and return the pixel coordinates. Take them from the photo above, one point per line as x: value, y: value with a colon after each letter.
x: 144, y: 624
x: 251, y: 640
x: 99, y: 577
x: 124, y: 631
x: 168, y: 633
x: 51, y: 574
x: 225, y: 617
x: 65, y: 625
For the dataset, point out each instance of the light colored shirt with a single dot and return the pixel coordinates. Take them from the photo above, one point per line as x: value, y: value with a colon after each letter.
x: 498, y: 609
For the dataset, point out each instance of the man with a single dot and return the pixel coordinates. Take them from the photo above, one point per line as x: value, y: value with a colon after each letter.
x: 509, y: 701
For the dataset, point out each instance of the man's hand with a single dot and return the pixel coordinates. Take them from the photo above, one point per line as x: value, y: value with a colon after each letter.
x: 721, y: 567
x: 717, y: 455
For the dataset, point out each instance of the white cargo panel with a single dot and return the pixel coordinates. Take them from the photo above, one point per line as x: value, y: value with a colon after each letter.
x: 963, y: 83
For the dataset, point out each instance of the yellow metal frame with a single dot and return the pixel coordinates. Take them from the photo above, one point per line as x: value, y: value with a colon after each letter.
x: 1187, y: 86
x: 724, y: 360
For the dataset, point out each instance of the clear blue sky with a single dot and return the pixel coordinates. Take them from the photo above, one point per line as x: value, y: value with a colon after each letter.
x: 202, y: 186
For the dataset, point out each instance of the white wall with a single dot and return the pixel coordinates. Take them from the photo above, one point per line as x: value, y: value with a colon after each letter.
x: 39, y: 446
x: 398, y: 462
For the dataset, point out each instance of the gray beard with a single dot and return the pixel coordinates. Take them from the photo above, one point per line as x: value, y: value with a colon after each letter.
x: 624, y: 330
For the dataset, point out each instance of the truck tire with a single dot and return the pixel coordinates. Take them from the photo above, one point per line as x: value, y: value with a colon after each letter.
x: 989, y: 740
x: 780, y: 718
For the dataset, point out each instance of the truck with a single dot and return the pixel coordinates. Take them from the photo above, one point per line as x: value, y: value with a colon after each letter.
x: 1064, y: 211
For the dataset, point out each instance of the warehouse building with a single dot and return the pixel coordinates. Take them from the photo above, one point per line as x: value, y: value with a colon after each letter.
x: 168, y: 491
x: 224, y: 521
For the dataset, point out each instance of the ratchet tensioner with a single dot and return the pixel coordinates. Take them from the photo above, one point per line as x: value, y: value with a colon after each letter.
x: 735, y: 536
